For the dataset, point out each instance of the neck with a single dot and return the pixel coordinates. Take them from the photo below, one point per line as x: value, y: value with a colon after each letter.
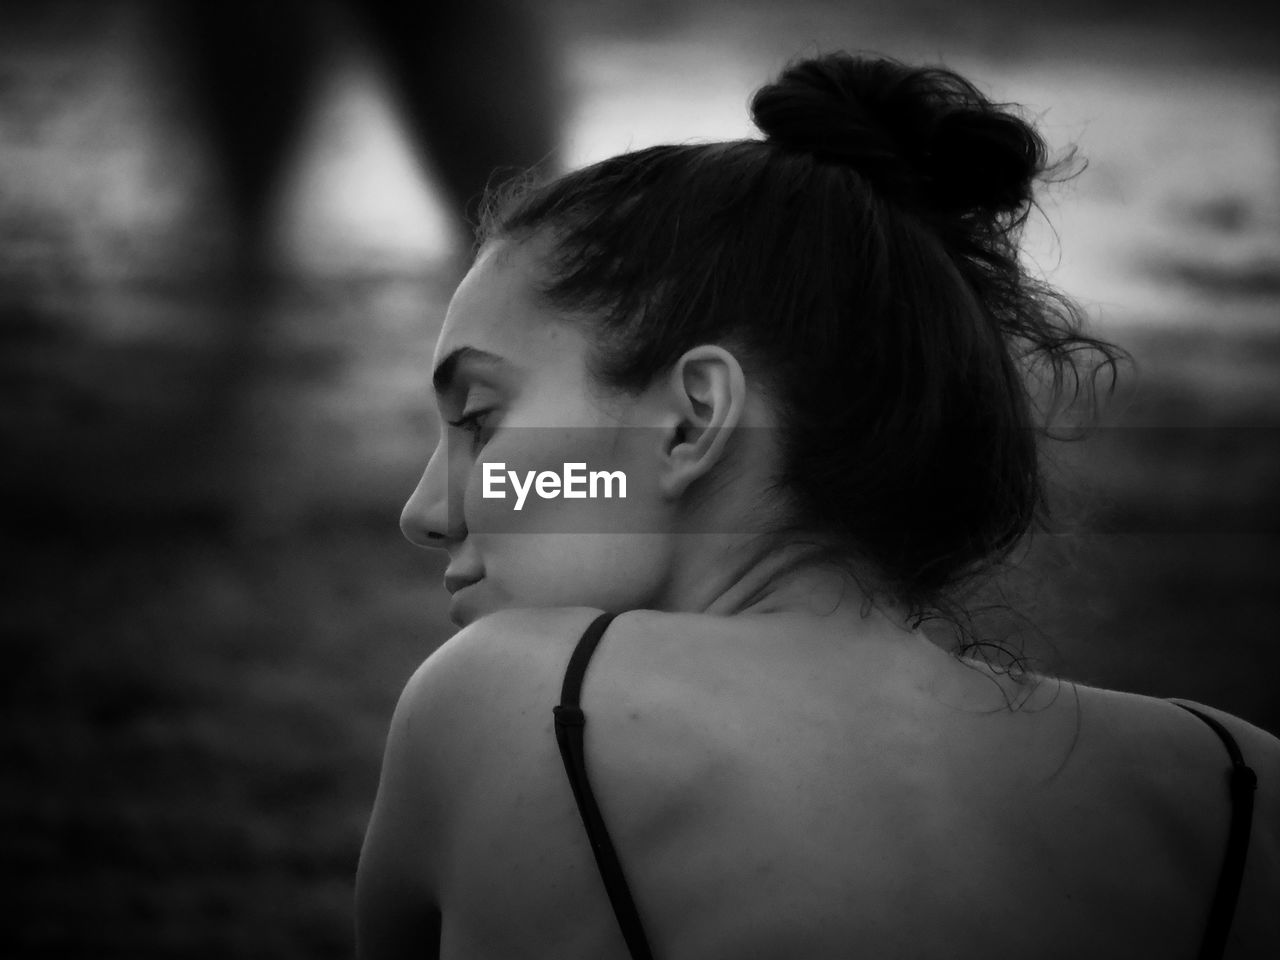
x: 734, y: 576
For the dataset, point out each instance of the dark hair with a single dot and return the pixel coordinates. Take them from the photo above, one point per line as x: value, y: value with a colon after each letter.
x: 862, y: 262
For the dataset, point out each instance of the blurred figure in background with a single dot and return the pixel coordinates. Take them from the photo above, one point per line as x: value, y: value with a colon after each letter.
x: 474, y: 81
x: 136, y: 380
x: 474, y: 84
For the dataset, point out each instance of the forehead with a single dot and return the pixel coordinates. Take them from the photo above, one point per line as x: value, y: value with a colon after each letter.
x: 496, y: 309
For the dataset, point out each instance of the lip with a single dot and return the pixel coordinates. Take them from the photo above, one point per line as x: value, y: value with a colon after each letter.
x: 453, y: 582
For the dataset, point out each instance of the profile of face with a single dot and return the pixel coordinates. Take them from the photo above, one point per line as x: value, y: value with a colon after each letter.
x: 513, y: 388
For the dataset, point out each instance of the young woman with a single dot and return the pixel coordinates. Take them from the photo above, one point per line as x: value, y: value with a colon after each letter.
x: 701, y: 721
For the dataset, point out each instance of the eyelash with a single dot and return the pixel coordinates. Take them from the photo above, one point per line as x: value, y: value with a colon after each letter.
x: 471, y: 423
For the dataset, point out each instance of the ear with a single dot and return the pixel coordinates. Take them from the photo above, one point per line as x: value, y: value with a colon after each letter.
x: 708, y: 393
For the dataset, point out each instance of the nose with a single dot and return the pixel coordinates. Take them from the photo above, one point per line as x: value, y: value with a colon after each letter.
x: 430, y: 517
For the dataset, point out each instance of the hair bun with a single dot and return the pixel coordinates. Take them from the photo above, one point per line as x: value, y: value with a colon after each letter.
x: 919, y: 135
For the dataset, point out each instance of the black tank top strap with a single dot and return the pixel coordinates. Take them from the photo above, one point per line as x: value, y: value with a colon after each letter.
x: 1243, y: 783
x: 569, y: 724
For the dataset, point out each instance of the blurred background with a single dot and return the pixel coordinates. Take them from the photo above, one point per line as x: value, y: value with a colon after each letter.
x: 228, y: 232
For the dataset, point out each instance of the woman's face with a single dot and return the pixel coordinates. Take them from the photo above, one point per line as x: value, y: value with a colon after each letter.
x: 515, y: 397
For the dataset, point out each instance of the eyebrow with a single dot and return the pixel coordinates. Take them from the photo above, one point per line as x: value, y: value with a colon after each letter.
x: 443, y: 377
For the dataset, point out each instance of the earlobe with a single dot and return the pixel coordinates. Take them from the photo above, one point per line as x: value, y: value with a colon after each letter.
x: 709, y: 390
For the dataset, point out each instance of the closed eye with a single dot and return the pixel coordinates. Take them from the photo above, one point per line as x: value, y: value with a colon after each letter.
x: 473, y: 423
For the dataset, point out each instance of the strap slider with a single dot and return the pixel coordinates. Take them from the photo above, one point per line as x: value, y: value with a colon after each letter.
x: 1244, y: 778
x: 567, y: 716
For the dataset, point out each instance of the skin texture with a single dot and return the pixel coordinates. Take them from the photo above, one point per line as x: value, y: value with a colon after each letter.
x: 786, y: 769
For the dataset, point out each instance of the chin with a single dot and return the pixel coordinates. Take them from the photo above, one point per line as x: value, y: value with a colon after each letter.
x: 464, y: 606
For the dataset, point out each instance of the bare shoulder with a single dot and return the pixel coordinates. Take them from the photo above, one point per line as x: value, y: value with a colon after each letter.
x: 497, y: 654
x: 1182, y: 736
x: 484, y: 677
x: 1137, y: 725
x: 454, y: 720
x: 1261, y: 749
x: 1256, y: 931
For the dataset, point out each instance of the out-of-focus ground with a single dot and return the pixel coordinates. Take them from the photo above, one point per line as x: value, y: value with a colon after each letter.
x: 207, y: 618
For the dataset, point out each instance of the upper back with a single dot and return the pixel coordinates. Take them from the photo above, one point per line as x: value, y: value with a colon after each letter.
x: 771, y: 792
